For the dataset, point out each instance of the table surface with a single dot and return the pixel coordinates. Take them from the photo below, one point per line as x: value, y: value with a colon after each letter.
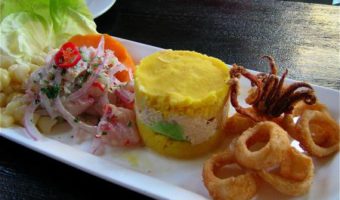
x: 301, y: 37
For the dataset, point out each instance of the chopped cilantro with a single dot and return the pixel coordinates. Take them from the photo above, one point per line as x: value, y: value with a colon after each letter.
x: 52, y: 76
x: 82, y: 79
x: 129, y: 124
x: 77, y: 85
x: 76, y: 120
x: 51, y: 91
x: 63, y: 72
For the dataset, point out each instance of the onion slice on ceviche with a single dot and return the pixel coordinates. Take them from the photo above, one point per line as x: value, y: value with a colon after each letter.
x: 80, y: 81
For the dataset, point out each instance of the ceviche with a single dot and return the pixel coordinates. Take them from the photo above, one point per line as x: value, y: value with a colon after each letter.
x: 78, y: 84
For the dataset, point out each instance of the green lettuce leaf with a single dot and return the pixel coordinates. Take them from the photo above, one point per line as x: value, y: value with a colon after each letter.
x: 30, y: 27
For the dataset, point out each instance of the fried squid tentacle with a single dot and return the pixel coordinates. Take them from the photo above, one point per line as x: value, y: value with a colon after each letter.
x: 268, y: 96
x: 272, y: 64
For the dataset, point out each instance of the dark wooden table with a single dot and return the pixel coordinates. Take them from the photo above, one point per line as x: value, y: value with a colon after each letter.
x: 302, y: 37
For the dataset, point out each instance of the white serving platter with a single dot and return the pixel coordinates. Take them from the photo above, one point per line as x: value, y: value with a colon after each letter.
x: 98, y: 8
x: 160, y: 177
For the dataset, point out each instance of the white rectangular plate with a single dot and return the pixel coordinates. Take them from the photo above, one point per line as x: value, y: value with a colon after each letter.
x: 159, y: 177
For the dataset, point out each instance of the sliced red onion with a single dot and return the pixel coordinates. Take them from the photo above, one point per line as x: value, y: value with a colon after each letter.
x: 73, y: 120
x: 57, y: 78
x: 31, y: 86
x: 94, y: 76
x: 101, y: 47
x: 104, y: 99
x: 42, y: 112
x: 88, y: 84
x: 97, y: 146
x: 125, y: 95
x: 117, y: 68
x: 79, y: 106
x: 30, y: 82
x: 46, y: 103
x: 115, y: 82
x: 30, y: 127
x: 131, y: 76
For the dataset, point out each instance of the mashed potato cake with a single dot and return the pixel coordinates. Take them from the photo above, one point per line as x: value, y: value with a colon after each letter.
x: 181, y: 102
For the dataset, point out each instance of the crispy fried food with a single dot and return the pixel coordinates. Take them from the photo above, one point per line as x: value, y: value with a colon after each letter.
x: 317, y: 133
x: 263, y: 145
x: 241, y: 187
x: 301, y: 177
x: 295, y: 165
x: 277, y: 144
x: 271, y: 98
x: 287, y: 123
x: 237, y: 124
x: 300, y: 107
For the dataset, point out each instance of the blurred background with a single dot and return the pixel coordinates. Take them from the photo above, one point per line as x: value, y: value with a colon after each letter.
x: 303, y: 37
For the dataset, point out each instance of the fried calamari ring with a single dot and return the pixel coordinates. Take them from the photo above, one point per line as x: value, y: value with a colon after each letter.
x: 300, y: 107
x: 277, y: 143
x: 237, y: 124
x: 241, y: 187
x: 288, y: 124
x: 318, y: 133
x: 295, y: 165
x: 292, y: 186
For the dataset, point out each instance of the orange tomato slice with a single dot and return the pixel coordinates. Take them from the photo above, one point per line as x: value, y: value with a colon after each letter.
x: 110, y: 43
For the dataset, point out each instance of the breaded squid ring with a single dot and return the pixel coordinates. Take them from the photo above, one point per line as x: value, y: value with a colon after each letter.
x: 288, y: 124
x: 269, y: 155
x: 318, y: 133
x: 295, y: 165
x: 238, y: 123
x: 241, y: 187
x: 292, y: 186
x: 300, y: 107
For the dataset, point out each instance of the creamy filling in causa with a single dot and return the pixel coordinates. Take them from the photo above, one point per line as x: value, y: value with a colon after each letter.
x: 181, y: 127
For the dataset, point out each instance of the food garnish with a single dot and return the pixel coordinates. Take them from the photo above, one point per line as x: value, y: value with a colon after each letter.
x: 67, y: 56
x: 51, y: 91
